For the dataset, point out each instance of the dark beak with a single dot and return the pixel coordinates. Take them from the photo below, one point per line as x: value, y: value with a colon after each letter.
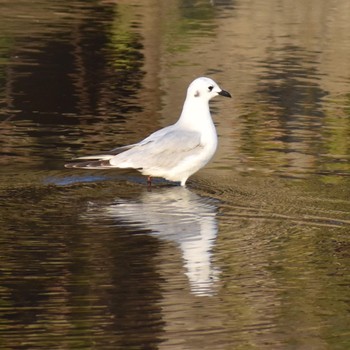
x: 224, y: 93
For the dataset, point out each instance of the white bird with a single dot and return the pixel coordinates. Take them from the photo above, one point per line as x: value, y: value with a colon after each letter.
x: 174, y: 152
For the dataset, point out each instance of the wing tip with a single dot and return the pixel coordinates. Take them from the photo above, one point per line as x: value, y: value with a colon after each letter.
x: 97, y: 164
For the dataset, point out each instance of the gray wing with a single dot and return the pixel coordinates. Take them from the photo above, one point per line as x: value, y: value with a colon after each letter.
x: 107, y: 155
x: 164, y: 148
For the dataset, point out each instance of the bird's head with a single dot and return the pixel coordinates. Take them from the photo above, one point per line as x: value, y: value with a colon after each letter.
x: 205, y: 88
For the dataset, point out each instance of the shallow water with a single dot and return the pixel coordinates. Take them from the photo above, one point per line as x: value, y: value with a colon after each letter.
x: 253, y: 254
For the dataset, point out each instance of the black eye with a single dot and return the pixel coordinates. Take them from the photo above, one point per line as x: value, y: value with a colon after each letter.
x: 211, y: 87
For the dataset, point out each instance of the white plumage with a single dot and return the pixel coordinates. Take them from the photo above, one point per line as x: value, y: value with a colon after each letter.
x: 176, y: 151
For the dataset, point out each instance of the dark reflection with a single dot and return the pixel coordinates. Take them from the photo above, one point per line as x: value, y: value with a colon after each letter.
x: 133, y: 296
x: 82, y: 70
x: 290, y: 83
x: 74, y: 71
x: 177, y: 215
x: 60, y: 277
x: 287, y: 131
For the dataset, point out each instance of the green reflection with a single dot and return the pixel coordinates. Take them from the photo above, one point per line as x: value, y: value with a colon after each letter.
x: 125, y: 42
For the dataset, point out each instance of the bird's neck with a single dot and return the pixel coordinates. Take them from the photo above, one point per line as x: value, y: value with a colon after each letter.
x: 195, y: 113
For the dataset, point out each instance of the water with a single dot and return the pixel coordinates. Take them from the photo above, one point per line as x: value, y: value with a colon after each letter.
x: 253, y: 254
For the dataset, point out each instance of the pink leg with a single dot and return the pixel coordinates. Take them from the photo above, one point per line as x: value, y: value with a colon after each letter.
x: 149, y: 181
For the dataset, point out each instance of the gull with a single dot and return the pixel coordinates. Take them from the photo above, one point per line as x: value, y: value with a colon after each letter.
x: 174, y: 152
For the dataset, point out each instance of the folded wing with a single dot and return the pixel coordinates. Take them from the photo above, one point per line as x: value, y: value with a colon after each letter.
x: 163, y: 149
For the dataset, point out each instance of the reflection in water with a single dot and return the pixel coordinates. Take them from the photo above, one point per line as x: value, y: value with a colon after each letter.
x: 295, y: 105
x: 179, y: 215
x: 78, y: 72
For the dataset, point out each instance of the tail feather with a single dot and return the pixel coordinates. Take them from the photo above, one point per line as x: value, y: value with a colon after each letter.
x: 96, y: 157
x: 99, y: 161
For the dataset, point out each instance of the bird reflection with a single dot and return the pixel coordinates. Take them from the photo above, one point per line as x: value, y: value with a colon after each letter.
x: 178, y: 215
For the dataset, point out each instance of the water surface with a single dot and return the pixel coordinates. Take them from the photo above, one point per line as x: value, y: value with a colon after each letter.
x: 253, y: 254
